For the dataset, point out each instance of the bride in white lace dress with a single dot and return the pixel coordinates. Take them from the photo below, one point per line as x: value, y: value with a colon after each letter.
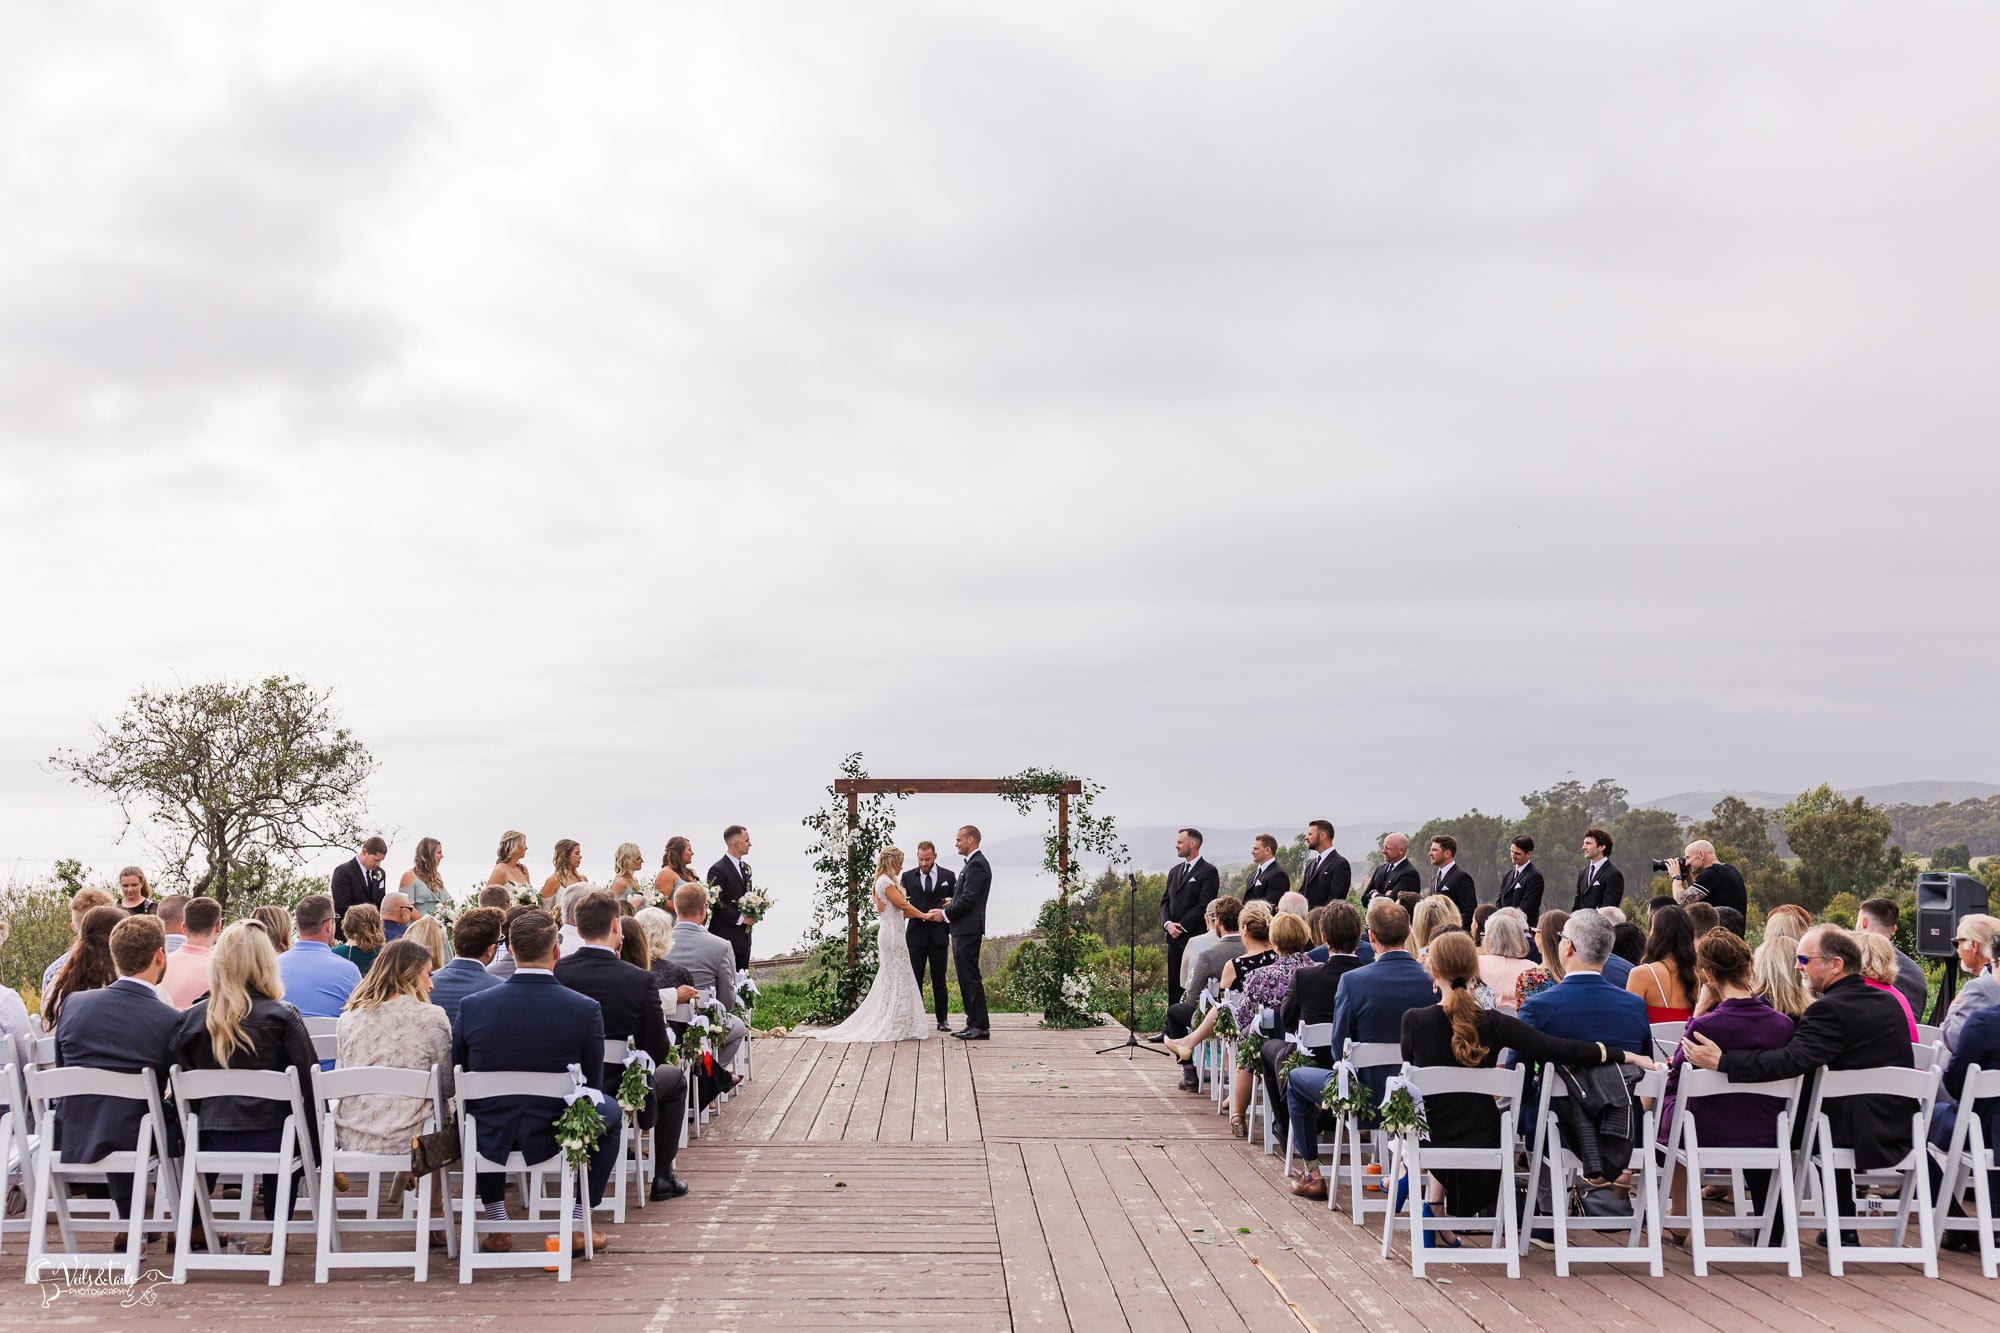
x: 894, y: 1007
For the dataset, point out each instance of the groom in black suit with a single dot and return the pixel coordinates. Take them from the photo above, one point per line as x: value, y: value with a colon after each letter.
x: 966, y: 918
x: 359, y: 881
x: 928, y: 887
x: 731, y: 877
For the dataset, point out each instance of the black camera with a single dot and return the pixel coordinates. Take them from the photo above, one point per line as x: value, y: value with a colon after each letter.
x: 1660, y: 867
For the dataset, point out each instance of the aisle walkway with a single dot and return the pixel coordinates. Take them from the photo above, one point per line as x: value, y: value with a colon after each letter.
x: 1023, y: 1183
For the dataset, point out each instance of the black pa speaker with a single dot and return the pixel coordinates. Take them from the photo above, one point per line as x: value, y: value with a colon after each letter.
x: 1943, y: 900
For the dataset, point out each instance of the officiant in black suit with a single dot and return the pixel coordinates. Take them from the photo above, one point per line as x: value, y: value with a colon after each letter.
x: 928, y: 887
x: 1523, y: 886
x: 731, y: 877
x: 359, y: 881
x: 966, y: 920
x: 1268, y: 879
x: 1328, y: 875
x: 1395, y: 875
x: 1451, y: 879
x: 1191, y: 887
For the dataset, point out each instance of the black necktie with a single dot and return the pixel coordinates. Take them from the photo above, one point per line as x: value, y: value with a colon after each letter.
x: 927, y: 883
x: 1439, y: 882
x: 746, y: 873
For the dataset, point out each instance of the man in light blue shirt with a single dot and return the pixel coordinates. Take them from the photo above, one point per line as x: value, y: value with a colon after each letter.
x: 317, y: 980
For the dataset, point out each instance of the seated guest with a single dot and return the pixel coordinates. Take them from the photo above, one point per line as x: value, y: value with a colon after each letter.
x: 532, y: 1023
x: 502, y: 965
x: 277, y: 924
x: 1628, y: 942
x: 674, y: 982
x: 426, y: 930
x: 1664, y: 977
x: 1433, y: 914
x: 1738, y: 1021
x: 711, y: 961
x: 1254, y: 921
x: 1878, y: 969
x: 1978, y: 1044
x: 88, y: 965
x: 1503, y: 958
x: 244, y: 1023
x: 1457, y: 1032
x: 475, y: 936
x: 317, y: 981
x: 1849, y: 1025
x: 566, y: 900
x: 391, y: 1023
x: 1774, y: 977
x: 1974, y: 941
x: 1584, y: 1005
x: 1198, y: 945
x: 1227, y: 912
x: 1879, y: 916
x: 1787, y: 921
x: 1309, y: 1002
x: 1266, y: 990
x: 80, y: 904
x: 173, y: 918
x: 631, y: 1006
x: 1316, y: 927
x: 187, y: 971
x: 18, y: 1028
x: 1703, y: 918
x: 496, y: 895
x: 1544, y: 941
x: 1480, y: 916
x: 361, y: 936
x: 397, y: 914
x: 1293, y: 903
x: 1731, y: 920
x: 125, y: 1028
x: 1618, y: 969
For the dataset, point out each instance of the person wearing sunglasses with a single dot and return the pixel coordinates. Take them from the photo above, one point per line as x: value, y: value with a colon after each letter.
x: 1974, y: 941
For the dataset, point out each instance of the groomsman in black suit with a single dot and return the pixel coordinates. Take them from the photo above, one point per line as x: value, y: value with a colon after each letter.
x: 1395, y: 875
x: 359, y: 881
x: 731, y: 875
x: 1450, y: 878
x: 1523, y: 886
x: 1268, y: 879
x: 1327, y: 875
x: 928, y: 887
x: 1599, y: 883
x: 1191, y: 887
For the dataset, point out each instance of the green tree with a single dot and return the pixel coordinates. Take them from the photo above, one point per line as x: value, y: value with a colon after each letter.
x: 1558, y: 833
x: 1950, y: 856
x: 231, y: 776
x: 1842, y: 846
x: 1480, y: 840
x: 1643, y: 837
x: 1989, y: 871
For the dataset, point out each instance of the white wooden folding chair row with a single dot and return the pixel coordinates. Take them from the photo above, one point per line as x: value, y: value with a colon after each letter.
x: 1359, y: 1146
x: 17, y: 1146
x: 294, y: 1154
x: 1967, y: 1160
x: 339, y: 1217
x: 1910, y: 1173
x: 1263, y: 1022
x: 146, y: 1162
x: 1409, y: 1154
x: 468, y: 1088
x: 1550, y: 1160
x: 1930, y: 1035
x: 1309, y: 1037
x: 1686, y: 1153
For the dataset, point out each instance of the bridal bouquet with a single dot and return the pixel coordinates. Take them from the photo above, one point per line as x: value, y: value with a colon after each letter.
x: 754, y: 905
x: 581, y: 1125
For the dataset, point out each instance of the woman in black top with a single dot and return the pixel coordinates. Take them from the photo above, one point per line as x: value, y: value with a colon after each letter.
x: 1255, y: 923
x: 1456, y: 1031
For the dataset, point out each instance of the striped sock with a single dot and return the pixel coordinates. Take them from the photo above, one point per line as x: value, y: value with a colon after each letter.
x: 496, y: 1211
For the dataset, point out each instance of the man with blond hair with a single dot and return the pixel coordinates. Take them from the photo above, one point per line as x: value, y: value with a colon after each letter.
x: 80, y: 904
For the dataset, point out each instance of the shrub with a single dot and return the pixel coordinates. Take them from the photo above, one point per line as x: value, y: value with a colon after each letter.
x: 37, y: 917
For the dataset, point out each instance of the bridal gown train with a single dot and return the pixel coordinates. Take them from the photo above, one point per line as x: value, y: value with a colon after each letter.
x: 894, y: 1007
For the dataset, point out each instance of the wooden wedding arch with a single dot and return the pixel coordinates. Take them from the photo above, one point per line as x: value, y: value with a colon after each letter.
x: 855, y: 788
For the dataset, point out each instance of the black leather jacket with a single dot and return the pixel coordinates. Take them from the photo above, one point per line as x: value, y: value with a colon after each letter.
x: 278, y: 1040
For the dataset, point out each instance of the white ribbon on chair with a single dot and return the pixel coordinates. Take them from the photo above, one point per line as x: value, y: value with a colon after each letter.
x: 1346, y: 1075
x: 638, y: 1057
x: 580, y: 1087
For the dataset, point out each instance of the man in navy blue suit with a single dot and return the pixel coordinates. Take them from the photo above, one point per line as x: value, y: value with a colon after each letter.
x: 1371, y: 1000
x: 475, y: 938
x: 125, y: 1028
x: 532, y: 1023
x: 1584, y: 1006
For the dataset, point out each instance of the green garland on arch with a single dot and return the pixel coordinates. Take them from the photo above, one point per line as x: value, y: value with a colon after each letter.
x: 1053, y: 971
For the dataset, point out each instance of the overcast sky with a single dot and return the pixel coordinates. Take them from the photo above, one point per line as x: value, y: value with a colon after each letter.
x: 629, y: 409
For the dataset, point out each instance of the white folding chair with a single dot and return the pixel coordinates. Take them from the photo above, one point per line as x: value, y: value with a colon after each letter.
x: 1362, y: 1148
x: 294, y: 1154
x: 330, y: 1087
x: 1264, y: 1023
x: 321, y: 1026
x: 1667, y: 1039
x: 1309, y: 1037
x: 471, y: 1087
x: 1967, y: 1160
x: 1685, y: 1152
x: 1911, y: 1172
x: 45, y: 1051
x: 1409, y: 1155
x: 634, y: 1146
x: 1929, y: 1035
x: 1929, y: 1055
x: 326, y: 1046
x: 1642, y: 1228
x: 53, y: 1176
x: 17, y: 1146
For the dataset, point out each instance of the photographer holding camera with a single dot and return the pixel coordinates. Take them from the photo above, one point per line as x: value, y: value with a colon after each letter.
x: 1713, y: 882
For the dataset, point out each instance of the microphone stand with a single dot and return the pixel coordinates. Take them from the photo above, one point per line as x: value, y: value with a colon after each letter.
x: 1132, y: 1042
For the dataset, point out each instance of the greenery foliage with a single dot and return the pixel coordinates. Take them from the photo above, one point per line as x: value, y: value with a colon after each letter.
x: 844, y: 859
x: 1059, y: 975
x: 1843, y: 846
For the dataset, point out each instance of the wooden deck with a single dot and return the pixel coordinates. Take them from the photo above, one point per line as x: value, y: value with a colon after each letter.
x: 1018, y: 1183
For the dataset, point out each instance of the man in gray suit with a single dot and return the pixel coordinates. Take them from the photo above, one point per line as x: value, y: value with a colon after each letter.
x: 709, y: 959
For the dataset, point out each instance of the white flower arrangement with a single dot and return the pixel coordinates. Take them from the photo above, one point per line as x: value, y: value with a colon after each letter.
x: 754, y: 905
x: 1078, y: 991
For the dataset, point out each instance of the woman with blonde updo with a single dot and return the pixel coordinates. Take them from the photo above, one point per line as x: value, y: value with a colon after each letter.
x: 1878, y: 969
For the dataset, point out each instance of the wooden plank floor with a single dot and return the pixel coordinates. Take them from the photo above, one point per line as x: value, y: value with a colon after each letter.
x: 1018, y: 1183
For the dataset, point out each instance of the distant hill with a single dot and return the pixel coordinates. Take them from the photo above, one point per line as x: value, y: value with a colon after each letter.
x: 1698, y: 804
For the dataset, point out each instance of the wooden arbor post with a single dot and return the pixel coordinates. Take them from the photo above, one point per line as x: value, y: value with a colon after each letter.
x: 855, y: 788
